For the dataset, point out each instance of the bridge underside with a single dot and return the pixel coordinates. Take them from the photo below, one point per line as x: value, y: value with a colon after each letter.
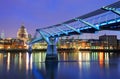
x: 113, y: 26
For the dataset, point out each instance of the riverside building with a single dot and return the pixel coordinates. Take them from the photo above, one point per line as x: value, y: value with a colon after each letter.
x: 22, y: 34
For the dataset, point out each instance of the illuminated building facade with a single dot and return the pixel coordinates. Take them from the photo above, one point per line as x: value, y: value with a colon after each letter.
x: 95, y: 44
x: 22, y: 34
x: 40, y: 45
x: 104, y: 42
x: 10, y: 43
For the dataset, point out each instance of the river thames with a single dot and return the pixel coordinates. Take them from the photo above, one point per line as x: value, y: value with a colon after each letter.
x: 70, y: 65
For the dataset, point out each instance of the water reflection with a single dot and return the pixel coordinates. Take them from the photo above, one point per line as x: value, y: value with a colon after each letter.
x: 39, y: 57
x: 84, y: 56
x: 51, y: 70
x: 8, y: 61
x: 20, y: 60
x: 28, y: 62
x: 71, y: 65
x: 101, y: 59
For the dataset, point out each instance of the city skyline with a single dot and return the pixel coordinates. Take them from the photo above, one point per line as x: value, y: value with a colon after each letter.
x: 38, y: 14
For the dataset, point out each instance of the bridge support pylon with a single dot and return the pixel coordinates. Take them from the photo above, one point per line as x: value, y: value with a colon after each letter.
x: 30, y: 49
x: 51, y: 54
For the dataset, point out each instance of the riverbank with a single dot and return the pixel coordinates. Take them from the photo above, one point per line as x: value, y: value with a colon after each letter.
x: 34, y: 50
x: 101, y: 50
x: 60, y: 49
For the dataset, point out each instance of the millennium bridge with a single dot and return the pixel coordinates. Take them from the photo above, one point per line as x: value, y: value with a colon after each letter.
x: 105, y: 18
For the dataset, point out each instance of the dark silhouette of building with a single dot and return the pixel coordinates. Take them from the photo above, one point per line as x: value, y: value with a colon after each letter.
x: 109, y: 41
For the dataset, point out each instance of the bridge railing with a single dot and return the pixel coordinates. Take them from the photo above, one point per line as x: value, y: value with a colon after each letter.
x: 102, y: 18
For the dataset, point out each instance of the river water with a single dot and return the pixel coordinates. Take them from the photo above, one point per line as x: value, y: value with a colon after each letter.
x: 71, y: 65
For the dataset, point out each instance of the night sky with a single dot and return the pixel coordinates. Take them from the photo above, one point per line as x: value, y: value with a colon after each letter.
x: 43, y: 13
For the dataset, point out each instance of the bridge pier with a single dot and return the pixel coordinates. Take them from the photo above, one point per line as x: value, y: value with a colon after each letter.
x: 51, y: 54
x: 51, y: 48
x: 30, y: 49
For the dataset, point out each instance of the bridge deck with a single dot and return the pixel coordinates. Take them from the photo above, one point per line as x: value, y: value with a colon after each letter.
x: 97, y: 20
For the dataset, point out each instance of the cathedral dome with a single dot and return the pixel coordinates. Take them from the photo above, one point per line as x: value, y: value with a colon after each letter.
x: 22, y: 33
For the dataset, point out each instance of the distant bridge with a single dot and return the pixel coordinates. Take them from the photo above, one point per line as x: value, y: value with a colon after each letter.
x: 105, y: 18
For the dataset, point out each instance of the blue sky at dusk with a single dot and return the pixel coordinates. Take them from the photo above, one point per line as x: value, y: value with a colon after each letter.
x: 43, y: 13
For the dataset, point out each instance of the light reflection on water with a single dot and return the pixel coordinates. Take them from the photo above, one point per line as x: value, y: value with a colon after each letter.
x: 76, y: 65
